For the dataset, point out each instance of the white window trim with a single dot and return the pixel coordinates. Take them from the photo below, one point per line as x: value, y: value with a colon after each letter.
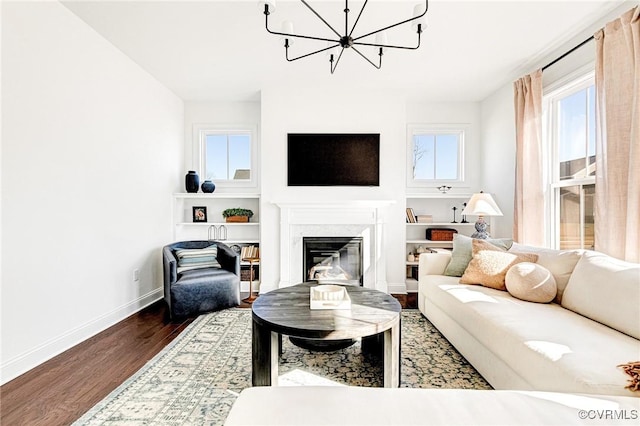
x: 413, y: 129
x: 200, y: 131
x: 578, y: 80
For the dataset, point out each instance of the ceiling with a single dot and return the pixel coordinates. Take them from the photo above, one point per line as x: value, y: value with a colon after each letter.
x: 219, y: 50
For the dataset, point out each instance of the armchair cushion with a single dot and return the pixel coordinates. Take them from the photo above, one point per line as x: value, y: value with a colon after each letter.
x: 197, y: 258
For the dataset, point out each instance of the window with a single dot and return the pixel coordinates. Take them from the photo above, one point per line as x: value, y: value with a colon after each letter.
x: 571, y: 116
x: 435, y: 155
x: 226, y: 156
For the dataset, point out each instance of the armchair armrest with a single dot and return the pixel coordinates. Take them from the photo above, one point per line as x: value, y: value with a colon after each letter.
x: 228, y: 259
x: 433, y: 263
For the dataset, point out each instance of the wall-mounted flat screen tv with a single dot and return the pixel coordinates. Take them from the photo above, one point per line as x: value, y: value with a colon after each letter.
x: 331, y: 159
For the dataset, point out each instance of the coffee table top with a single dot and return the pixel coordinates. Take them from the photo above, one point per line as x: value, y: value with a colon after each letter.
x: 286, y: 311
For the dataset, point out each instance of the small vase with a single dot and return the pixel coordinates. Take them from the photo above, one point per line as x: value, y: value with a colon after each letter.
x: 192, y: 181
x: 208, y: 186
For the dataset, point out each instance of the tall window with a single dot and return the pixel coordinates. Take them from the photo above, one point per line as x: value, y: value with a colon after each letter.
x: 435, y: 154
x: 226, y: 156
x: 571, y: 116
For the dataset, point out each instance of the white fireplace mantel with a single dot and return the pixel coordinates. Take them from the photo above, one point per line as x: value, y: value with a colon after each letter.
x: 365, y: 218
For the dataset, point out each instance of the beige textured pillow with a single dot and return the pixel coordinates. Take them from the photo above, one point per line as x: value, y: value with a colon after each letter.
x: 531, y: 282
x: 490, y: 264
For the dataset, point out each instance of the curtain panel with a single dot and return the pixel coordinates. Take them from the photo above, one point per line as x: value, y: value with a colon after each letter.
x: 528, y: 220
x: 617, y: 199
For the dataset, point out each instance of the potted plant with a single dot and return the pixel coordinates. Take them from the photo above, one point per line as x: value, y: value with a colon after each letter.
x: 237, y: 215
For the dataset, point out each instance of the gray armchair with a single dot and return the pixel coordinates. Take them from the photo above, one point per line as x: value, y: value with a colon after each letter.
x: 200, y: 290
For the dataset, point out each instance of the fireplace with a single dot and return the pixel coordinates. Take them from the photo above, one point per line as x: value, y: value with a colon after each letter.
x: 333, y: 259
x: 354, y: 218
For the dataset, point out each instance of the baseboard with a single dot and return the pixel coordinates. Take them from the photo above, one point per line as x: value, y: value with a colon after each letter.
x: 31, y: 359
x: 397, y: 288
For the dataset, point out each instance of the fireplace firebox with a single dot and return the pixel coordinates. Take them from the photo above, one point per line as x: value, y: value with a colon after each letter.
x: 333, y: 259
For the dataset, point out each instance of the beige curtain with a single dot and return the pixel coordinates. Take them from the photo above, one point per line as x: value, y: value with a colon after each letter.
x: 617, y: 203
x: 528, y: 220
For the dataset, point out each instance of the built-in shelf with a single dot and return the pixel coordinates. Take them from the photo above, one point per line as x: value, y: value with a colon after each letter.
x: 440, y: 207
x: 237, y: 233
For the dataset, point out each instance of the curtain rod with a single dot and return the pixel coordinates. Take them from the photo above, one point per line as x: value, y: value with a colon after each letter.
x: 567, y: 53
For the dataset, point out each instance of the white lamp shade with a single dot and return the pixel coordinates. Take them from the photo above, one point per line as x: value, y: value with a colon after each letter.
x: 482, y: 204
x: 418, y: 10
x: 381, y: 38
x: 333, y: 51
x: 287, y: 28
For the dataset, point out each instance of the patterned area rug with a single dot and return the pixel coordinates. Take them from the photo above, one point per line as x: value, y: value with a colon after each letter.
x: 196, y: 378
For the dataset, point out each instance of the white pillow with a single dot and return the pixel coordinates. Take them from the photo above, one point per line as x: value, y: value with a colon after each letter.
x: 606, y: 290
x: 559, y: 262
x: 531, y: 282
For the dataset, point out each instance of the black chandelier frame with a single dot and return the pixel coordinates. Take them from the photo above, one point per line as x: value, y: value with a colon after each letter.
x: 347, y: 40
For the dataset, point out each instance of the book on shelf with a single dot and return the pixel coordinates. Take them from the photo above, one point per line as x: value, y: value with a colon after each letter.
x: 249, y: 252
x: 411, y: 217
x: 424, y: 218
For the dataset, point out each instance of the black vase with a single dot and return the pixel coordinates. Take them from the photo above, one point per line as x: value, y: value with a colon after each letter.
x: 192, y: 181
x: 208, y: 186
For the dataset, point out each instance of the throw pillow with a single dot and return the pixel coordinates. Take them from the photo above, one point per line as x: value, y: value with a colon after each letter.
x: 490, y: 264
x: 560, y: 262
x: 531, y: 282
x: 606, y: 290
x: 462, y: 252
x: 197, y: 258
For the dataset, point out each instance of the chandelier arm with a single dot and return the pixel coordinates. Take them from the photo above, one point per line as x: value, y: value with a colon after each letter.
x: 390, y: 45
x: 321, y: 18
x: 358, y: 18
x: 333, y: 67
x: 286, y: 46
x: 266, y: 26
x: 399, y: 23
x: 367, y: 59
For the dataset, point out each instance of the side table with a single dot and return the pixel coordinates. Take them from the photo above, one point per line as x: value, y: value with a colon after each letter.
x: 252, y: 261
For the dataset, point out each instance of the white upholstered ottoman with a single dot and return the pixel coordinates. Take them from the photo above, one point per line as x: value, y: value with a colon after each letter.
x: 335, y: 405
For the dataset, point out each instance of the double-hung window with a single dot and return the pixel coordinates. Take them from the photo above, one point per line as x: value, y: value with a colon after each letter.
x: 571, y: 139
x: 226, y: 155
x: 435, y: 155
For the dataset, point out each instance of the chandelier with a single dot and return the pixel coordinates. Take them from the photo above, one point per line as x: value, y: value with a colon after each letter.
x: 347, y: 40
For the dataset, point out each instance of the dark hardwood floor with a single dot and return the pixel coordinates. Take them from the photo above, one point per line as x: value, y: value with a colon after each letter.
x: 61, y: 390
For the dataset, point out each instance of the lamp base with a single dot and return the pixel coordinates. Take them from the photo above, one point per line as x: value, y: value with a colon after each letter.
x: 481, y: 229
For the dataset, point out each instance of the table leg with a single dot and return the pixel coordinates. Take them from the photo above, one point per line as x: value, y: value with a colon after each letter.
x: 392, y: 356
x: 264, y: 356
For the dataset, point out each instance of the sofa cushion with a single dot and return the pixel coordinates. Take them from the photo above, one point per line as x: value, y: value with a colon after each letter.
x: 490, y: 264
x: 531, y: 282
x: 606, y: 290
x: 559, y: 262
x: 197, y: 258
x: 551, y: 347
x: 462, y: 253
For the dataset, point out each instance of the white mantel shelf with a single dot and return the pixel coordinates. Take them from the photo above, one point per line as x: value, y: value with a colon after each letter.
x: 333, y: 204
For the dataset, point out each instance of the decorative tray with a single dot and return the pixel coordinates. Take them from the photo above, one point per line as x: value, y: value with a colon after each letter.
x: 329, y: 296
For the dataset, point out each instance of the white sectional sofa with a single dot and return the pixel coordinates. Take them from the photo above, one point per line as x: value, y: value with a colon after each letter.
x: 574, y: 344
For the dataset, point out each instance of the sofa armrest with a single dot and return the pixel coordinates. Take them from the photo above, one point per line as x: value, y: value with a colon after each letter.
x: 433, y: 263
x: 228, y: 259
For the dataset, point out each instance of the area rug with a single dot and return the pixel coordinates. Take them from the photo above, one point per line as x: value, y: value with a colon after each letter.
x: 196, y: 378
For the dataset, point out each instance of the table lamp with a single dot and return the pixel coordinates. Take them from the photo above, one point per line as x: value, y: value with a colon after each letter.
x: 481, y: 204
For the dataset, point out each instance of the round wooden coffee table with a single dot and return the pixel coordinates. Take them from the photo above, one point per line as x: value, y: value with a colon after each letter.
x: 374, y: 316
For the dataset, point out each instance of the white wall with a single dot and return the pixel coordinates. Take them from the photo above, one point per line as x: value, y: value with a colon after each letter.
x: 498, y: 155
x: 92, y: 149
